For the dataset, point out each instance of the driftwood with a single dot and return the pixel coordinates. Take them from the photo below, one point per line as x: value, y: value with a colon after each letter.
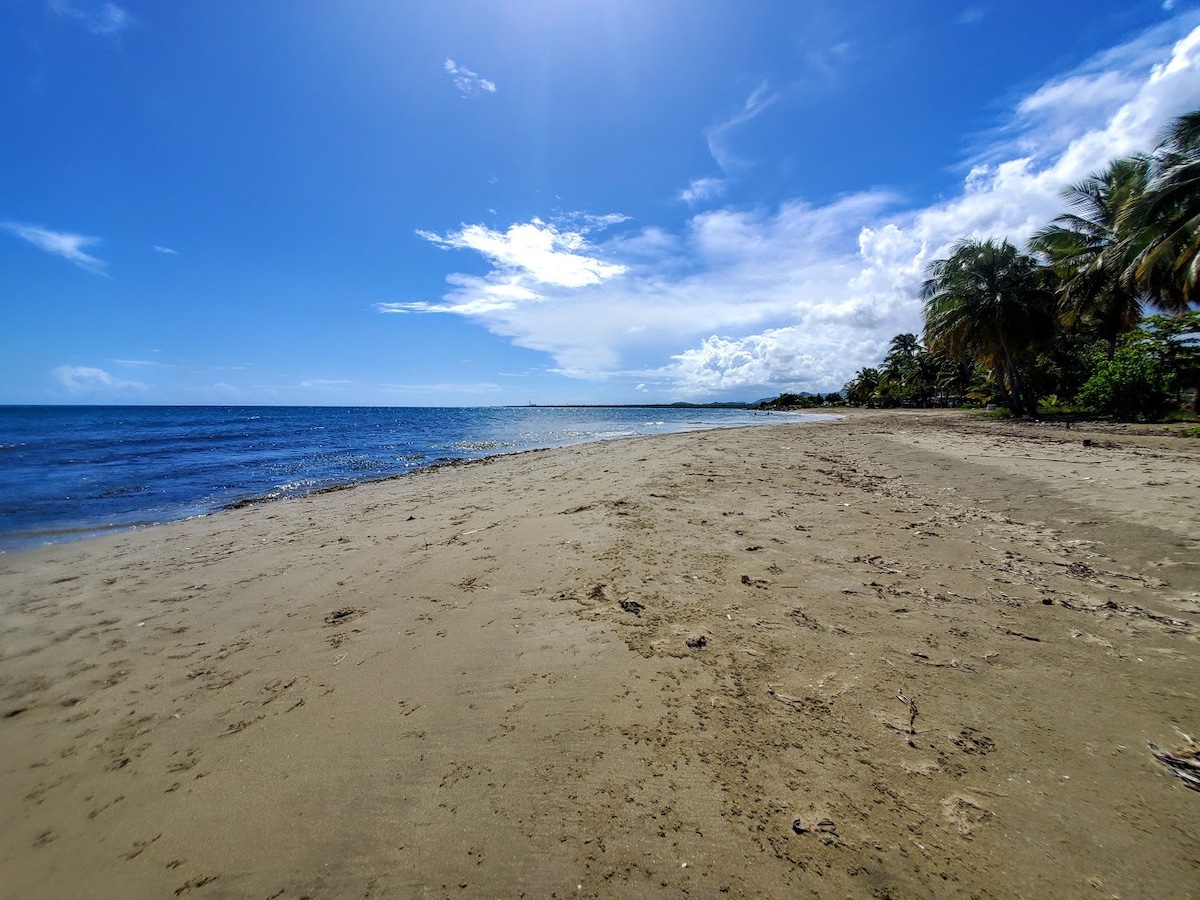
x: 1184, y: 763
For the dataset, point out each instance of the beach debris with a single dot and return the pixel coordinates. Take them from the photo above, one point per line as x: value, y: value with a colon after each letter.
x: 912, y: 714
x: 632, y: 606
x: 345, y: 614
x: 597, y: 592
x: 827, y: 832
x: 1027, y: 637
x: 822, y: 827
x: 1184, y: 763
x: 754, y: 582
x: 699, y: 642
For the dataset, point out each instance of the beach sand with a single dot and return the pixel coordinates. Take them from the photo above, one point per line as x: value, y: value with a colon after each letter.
x: 659, y: 666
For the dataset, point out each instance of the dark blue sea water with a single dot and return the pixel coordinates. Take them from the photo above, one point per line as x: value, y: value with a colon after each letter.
x: 74, y: 471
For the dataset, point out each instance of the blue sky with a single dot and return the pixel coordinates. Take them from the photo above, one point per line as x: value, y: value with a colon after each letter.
x: 470, y: 203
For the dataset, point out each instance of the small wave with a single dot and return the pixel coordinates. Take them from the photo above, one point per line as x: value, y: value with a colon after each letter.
x: 365, y: 465
x: 120, y: 492
x: 482, y: 445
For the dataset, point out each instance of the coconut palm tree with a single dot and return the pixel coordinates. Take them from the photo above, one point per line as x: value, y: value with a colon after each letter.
x: 863, y: 386
x: 956, y: 376
x: 1166, y: 220
x: 905, y: 345
x: 1092, y: 256
x: 994, y: 301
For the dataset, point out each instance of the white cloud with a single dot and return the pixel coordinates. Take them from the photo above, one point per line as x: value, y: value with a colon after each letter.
x: 100, y: 18
x: 145, y: 362
x: 469, y: 84
x: 720, y: 136
x: 743, y: 303
x: 527, y: 259
x: 702, y: 189
x: 88, y: 380
x: 167, y: 251
x: 60, y: 243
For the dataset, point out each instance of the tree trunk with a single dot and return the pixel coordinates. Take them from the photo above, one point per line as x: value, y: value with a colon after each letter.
x: 1018, y: 397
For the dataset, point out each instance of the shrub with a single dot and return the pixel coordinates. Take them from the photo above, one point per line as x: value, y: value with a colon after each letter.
x: 1133, y: 384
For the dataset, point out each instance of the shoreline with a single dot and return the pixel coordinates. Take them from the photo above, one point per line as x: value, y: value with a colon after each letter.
x: 629, y: 668
x: 202, y: 504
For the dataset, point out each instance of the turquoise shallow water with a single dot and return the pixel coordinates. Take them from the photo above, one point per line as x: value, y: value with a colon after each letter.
x: 72, y: 471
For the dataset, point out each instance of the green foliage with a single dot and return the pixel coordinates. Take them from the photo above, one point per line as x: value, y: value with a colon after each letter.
x: 796, y: 401
x: 992, y: 301
x: 1133, y: 384
x: 1067, y: 323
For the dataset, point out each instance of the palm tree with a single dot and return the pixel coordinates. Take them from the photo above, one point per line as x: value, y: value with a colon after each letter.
x: 863, y: 386
x: 994, y: 301
x: 1092, y: 256
x: 956, y: 376
x: 905, y: 345
x: 1166, y: 220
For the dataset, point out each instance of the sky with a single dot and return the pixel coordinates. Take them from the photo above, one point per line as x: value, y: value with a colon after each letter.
x: 469, y: 203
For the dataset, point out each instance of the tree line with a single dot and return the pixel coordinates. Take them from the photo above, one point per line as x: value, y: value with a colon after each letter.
x: 1097, y: 314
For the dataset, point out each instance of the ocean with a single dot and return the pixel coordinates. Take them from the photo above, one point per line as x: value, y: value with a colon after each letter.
x: 68, y: 472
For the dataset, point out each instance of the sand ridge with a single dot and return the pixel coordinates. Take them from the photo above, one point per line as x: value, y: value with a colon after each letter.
x: 678, y: 664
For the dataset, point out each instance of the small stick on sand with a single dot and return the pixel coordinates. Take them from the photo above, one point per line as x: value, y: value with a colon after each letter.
x: 912, y: 715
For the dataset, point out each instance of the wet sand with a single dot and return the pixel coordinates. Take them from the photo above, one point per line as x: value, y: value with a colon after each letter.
x: 659, y: 666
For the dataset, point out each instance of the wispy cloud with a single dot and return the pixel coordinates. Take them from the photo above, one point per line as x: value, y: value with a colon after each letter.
x: 743, y: 303
x: 972, y: 15
x: 720, y: 136
x: 88, y: 380
x: 100, y: 18
x: 60, y: 243
x: 469, y: 84
x: 166, y: 251
x: 702, y: 189
x: 150, y: 363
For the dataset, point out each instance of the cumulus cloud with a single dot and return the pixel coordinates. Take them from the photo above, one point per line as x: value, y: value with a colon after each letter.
x: 528, y: 259
x: 469, y: 84
x: 743, y: 303
x: 89, y: 380
x: 60, y: 243
x: 100, y: 18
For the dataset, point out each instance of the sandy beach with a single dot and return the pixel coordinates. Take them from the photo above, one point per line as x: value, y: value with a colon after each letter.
x: 901, y: 655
